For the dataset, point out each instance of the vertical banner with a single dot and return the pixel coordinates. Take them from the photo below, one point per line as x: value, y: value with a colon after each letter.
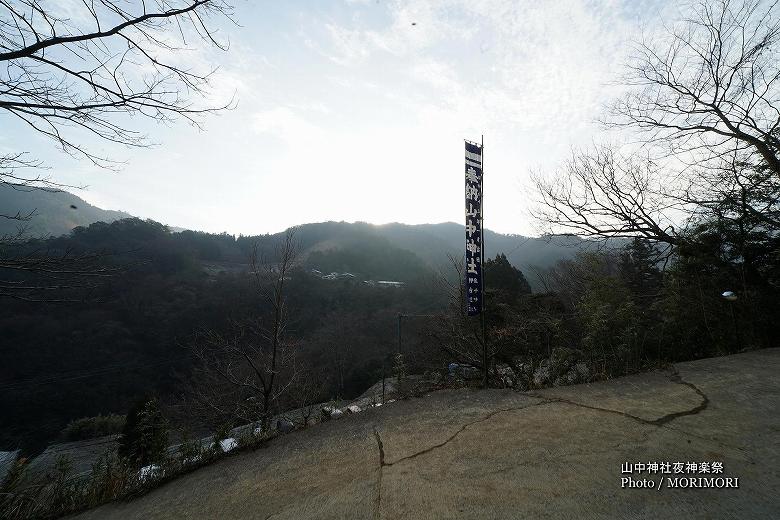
x: 473, y: 229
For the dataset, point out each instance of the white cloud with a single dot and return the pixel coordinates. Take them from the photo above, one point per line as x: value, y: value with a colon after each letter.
x: 531, y: 75
x: 286, y: 123
x: 357, y: 111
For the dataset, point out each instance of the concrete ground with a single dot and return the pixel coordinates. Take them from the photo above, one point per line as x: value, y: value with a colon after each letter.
x: 554, y: 453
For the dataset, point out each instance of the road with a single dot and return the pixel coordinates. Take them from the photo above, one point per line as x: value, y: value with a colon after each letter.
x: 555, y: 453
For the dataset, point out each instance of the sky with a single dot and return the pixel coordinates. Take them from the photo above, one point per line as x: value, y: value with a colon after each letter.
x: 356, y: 110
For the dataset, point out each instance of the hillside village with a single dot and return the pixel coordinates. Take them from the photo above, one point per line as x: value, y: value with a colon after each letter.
x: 350, y: 276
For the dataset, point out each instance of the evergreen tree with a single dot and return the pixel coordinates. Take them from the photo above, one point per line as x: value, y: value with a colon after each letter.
x: 639, y: 269
x: 145, y: 436
x: 505, y: 278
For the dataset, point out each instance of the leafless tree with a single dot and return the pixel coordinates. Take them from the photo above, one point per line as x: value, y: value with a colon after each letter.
x: 456, y: 334
x: 710, y: 86
x: 73, y: 73
x: 601, y: 194
x: 305, y: 394
x: 241, y: 375
x: 340, y: 335
x: 86, y: 70
x: 706, y: 102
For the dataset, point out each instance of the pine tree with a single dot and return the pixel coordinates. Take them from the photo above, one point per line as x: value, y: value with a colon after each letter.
x: 145, y: 436
x: 505, y: 278
x: 639, y: 269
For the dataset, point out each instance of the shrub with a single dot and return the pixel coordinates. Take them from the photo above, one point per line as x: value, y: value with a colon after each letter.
x: 145, y: 435
x: 92, y: 427
x: 190, y: 451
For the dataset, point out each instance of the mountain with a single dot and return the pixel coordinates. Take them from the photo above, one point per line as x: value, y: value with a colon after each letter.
x: 432, y: 243
x: 174, y: 284
x: 54, y: 213
x: 374, y: 250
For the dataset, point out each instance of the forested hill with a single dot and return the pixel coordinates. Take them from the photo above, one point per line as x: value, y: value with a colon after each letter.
x: 54, y: 214
x: 433, y: 241
x: 172, y: 284
x: 343, y: 246
x: 129, y: 335
x: 328, y: 246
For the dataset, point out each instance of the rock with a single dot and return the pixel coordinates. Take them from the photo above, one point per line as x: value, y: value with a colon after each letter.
x: 565, y: 379
x: 562, y: 368
x: 149, y: 472
x: 524, y: 374
x: 542, y: 373
x: 192, y: 460
x: 331, y: 412
x: 228, y: 444
x: 506, y: 375
x: 562, y: 359
x: 583, y: 372
x: 434, y: 377
x: 353, y: 408
x: 284, y: 426
x: 464, y: 371
x: 578, y: 373
x: 523, y: 368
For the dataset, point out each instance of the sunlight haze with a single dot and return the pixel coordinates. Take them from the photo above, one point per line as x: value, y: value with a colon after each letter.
x: 356, y: 111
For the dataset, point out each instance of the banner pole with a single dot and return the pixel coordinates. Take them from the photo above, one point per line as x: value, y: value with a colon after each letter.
x: 482, y: 270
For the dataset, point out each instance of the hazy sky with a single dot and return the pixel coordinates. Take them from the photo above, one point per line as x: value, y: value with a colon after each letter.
x: 348, y: 111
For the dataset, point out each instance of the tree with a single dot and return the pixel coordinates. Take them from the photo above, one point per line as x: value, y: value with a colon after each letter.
x: 145, y: 435
x: 339, y: 335
x: 243, y: 373
x: 601, y: 194
x: 73, y: 77
x: 710, y: 86
x: 705, y: 99
x: 600, y: 315
x: 458, y: 336
x: 67, y: 77
x: 639, y: 268
x: 505, y: 278
x: 610, y: 322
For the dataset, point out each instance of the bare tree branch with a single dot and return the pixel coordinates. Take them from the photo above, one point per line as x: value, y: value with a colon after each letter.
x: 602, y: 195
x: 69, y: 79
x: 243, y: 374
x: 712, y: 83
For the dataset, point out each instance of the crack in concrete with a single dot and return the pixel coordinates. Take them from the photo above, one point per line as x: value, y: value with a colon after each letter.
x: 382, y: 463
x: 705, y: 401
x: 458, y: 432
x: 661, y: 421
x: 378, y: 499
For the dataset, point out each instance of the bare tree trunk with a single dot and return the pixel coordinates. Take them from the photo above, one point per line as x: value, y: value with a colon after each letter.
x: 244, y: 373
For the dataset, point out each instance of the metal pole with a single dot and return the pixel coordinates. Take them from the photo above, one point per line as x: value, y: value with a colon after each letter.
x: 737, y: 335
x: 482, y: 260
x: 398, y: 358
x: 399, y: 332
